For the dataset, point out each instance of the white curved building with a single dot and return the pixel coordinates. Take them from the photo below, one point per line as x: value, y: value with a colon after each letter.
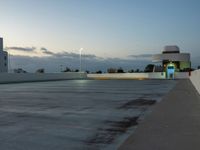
x: 171, y: 54
x: 3, y: 58
x: 173, y: 61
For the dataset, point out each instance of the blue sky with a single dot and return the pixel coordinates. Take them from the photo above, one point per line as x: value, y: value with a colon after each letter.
x: 105, y: 28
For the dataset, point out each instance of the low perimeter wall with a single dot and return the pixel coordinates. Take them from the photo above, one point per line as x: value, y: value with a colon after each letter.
x: 195, y: 79
x: 158, y: 75
x: 152, y: 75
x: 34, y: 77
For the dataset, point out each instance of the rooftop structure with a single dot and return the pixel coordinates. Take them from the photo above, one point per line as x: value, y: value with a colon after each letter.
x: 171, y: 49
x: 1, y: 44
x: 3, y: 58
x: 173, y: 60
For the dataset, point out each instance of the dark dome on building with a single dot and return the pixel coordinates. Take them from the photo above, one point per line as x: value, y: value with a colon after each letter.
x: 171, y: 49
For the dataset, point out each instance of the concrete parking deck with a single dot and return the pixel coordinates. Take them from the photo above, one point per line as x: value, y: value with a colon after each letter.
x: 174, y: 123
x: 74, y: 114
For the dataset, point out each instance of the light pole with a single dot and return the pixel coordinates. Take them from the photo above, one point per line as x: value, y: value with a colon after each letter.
x: 81, y: 49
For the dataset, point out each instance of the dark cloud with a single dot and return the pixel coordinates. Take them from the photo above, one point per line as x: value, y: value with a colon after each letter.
x: 46, y: 51
x: 27, y: 49
x: 43, y: 49
x: 74, y: 55
x: 66, y: 54
x: 141, y: 56
x: 53, y: 54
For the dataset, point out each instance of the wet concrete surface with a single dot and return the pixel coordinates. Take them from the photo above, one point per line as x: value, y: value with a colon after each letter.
x: 74, y: 114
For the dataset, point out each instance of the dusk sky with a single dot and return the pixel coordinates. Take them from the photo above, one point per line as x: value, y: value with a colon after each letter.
x: 102, y: 28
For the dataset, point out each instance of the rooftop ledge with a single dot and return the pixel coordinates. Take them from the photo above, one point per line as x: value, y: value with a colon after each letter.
x: 171, y: 57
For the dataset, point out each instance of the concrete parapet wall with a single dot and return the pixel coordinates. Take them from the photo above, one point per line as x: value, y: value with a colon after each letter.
x: 151, y: 75
x: 34, y: 77
x: 157, y: 75
x: 195, y: 79
x: 181, y: 75
x: 118, y: 75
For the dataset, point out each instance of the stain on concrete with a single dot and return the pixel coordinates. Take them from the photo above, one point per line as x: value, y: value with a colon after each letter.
x: 137, y: 102
x: 108, y: 135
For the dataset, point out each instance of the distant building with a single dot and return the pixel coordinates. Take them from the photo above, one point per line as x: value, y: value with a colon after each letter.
x: 173, y: 61
x: 3, y: 58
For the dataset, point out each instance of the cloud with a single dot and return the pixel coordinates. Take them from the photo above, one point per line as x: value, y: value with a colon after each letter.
x: 148, y: 56
x: 43, y: 49
x: 37, y: 52
x: 27, y: 49
x: 46, y: 51
x: 66, y: 54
